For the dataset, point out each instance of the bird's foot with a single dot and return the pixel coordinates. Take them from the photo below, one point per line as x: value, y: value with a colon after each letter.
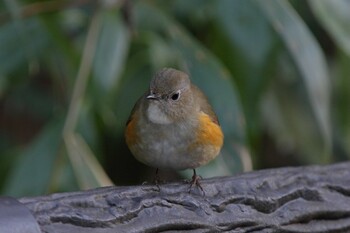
x: 195, y: 181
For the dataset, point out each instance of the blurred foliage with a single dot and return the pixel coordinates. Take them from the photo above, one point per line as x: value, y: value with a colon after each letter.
x: 276, y: 72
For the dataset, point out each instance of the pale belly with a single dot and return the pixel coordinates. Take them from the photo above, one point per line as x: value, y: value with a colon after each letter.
x: 172, y: 147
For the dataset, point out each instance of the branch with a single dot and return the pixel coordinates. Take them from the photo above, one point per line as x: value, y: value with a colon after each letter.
x: 302, y: 199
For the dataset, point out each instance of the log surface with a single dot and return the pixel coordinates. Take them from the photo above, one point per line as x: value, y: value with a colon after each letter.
x: 302, y: 199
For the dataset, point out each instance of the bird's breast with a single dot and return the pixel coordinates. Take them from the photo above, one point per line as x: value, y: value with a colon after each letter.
x: 183, y: 145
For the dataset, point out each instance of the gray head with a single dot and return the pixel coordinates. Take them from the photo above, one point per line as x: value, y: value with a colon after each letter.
x: 170, y: 97
x: 169, y: 81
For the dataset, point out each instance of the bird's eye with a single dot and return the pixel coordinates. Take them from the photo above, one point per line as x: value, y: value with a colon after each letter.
x: 175, y: 96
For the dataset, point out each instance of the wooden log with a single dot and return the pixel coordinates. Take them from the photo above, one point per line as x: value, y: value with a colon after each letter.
x: 301, y: 199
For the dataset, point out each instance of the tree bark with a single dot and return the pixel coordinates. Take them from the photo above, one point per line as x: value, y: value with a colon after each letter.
x: 301, y: 199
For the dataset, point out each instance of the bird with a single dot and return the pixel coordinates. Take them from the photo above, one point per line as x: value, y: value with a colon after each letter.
x: 173, y: 126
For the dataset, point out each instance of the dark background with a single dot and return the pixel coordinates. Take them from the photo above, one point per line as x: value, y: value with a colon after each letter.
x: 275, y: 71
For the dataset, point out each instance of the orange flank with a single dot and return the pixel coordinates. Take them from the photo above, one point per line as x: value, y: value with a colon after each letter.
x: 209, y: 132
x: 130, y: 132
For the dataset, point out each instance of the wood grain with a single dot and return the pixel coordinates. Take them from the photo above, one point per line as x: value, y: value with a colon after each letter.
x: 302, y: 199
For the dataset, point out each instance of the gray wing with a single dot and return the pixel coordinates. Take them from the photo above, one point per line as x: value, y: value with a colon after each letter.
x: 204, y: 104
x: 136, y: 108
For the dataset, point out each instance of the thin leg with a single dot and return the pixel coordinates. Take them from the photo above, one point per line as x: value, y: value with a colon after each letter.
x: 156, y: 179
x: 195, y: 180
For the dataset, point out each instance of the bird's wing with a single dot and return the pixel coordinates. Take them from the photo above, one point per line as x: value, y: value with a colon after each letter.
x: 135, y: 108
x: 204, y: 104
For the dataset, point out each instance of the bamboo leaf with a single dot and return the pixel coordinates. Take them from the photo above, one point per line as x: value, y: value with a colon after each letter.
x: 335, y: 17
x: 111, y: 51
x: 86, y: 167
x: 15, y: 51
x: 308, y: 58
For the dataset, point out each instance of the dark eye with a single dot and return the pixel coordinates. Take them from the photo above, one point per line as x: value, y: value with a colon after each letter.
x: 175, y: 96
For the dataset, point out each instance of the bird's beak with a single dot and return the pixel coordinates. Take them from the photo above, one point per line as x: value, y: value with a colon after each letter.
x: 152, y: 97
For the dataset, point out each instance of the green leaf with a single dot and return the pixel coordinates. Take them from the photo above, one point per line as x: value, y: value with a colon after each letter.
x: 244, y: 53
x: 340, y: 106
x: 308, y: 58
x: 334, y: 16
x: 15, y: 49
x: 249, y: 57
x: 63, y: 177
x: 86, y: 167
x: 111, y: 51
x: 161, y: 53
x: 288, y: 118
x: 241, y: 21
x: 33, y: 171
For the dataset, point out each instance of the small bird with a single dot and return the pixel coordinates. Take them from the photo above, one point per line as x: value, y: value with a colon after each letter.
x: 172, y: 126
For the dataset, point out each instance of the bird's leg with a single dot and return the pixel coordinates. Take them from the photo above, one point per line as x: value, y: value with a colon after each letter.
x: 156, y: 179
x: 195, y: 181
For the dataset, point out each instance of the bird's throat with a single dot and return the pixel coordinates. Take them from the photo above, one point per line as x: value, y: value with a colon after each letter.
x: 156, y: 115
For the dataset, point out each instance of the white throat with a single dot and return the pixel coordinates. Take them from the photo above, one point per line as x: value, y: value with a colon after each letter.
x: 156, y: 115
